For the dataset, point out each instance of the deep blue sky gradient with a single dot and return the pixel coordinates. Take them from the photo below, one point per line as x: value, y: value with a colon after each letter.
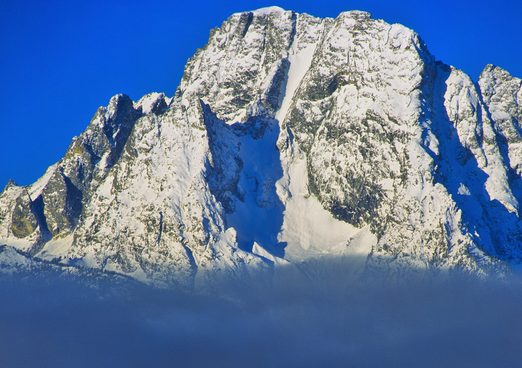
x: 60, y: 61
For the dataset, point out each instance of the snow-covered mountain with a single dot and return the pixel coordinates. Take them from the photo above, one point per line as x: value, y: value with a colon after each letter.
x: 290, y: 140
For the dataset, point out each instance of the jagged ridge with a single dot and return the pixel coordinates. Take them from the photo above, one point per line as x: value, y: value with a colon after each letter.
x: 290, y: 138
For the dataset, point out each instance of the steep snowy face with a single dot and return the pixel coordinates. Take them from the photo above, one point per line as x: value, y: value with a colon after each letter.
x: 364, y: 104
x: 242, y: 69
x: 290, y: 139
x: 502, y: 95
x: 53, y: 205
x: 353, y: 111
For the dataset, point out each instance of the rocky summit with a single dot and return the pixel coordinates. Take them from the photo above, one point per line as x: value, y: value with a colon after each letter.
x: 291, y: 140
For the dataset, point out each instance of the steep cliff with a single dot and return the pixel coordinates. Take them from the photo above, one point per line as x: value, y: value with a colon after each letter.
x: 290, y: 139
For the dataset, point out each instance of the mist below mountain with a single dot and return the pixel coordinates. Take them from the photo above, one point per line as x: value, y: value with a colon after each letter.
x: 309, y: 322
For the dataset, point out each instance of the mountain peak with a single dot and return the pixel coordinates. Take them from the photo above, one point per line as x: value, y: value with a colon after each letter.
x: 269, y: 10
x: 356, y: 14
x: 289, y: 142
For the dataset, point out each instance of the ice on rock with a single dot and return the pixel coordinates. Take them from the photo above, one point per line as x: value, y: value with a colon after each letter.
x: 269, y: 10
x: 291, y: 139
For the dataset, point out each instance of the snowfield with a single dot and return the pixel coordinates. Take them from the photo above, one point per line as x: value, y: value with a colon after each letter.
x: 291, y: 140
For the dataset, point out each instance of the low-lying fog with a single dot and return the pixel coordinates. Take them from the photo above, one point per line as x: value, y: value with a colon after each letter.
x: 299, y: 321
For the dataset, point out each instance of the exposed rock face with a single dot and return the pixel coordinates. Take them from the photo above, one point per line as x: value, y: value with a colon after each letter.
x: 290, y: 138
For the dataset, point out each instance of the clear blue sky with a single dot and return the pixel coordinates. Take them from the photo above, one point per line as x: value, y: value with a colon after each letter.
x: 61, y: 60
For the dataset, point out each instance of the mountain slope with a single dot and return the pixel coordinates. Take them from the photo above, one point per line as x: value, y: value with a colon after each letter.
x: 291, y: 139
